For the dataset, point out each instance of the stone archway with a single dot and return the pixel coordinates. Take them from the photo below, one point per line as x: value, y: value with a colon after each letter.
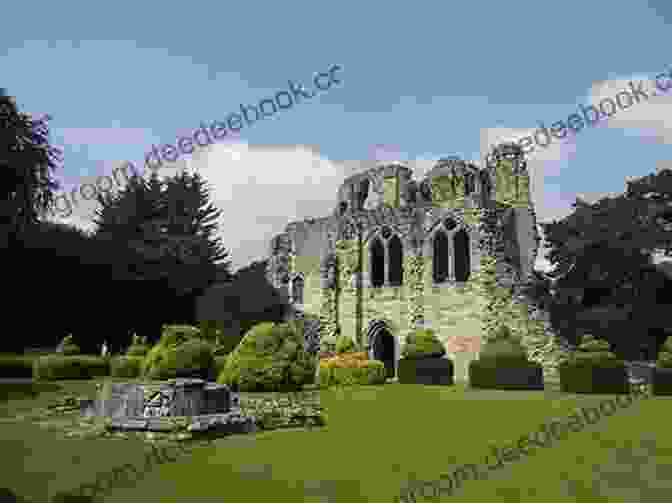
x: 382, y: 345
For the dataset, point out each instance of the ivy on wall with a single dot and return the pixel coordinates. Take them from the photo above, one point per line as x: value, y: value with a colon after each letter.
x: 502, y: 309
x: 346, y: 253
x: 414, y: 270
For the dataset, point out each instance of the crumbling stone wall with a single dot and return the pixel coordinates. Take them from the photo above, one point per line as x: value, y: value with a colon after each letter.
x: 491, y: 204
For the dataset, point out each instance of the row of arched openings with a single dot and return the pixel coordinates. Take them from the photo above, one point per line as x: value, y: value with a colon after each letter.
x: 443, y: 255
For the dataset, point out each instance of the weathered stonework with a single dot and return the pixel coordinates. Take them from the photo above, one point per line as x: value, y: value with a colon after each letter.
x: 449, y: 251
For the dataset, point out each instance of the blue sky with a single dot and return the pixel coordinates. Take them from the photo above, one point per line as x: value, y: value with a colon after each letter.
x: 423, y: 79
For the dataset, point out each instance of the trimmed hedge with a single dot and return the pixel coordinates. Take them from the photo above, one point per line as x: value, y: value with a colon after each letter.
x: 431, y: 371
x: 366, y: 372
x: 423, y: 343
x: 506, y: 375
x: 16, y: 366
x: 662, y: 381
x: 126, y: 366
x: 57, y: 367
x: 586, y: 375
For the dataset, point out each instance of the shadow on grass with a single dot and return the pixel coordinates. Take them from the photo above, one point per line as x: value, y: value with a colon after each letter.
x: 8, y: 496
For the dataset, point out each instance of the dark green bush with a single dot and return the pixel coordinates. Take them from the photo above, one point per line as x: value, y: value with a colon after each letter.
x: 125, y: 366
x: 662, y: 381
x: 423, y: 343
x: 426, y: 371
x: 67, y: 347
x: 58, y: 367
x: 192, y: 358
x: 506, y: 374
x: 594, y: 375
x: 16, y: 366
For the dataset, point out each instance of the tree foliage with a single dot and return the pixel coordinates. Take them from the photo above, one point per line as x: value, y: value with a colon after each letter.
x: 603, y: 254
x: 26, y: 162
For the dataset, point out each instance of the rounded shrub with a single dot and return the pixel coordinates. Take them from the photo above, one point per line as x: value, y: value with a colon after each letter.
x: 594, y: 351
x: 179, y: 353
x: 271, y: 357
x: 138, y: 347
x: 345, y: 344
x: 423, y: 343
x: 67, y: 347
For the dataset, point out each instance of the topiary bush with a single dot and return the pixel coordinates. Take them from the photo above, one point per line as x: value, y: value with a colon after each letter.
x: 180, y: 352
x: 345, y: 344
x: 193, y: 358
x: 138, y: 347
x: 592, y: 368
x: 423, y: 343
x: 67, y: 347
x: 665, y: 355
x: 271, y: 357
x: 503, y: 364
x: 126, y: 366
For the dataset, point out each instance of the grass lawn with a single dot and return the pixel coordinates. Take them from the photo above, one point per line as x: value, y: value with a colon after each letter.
x: 377, y: 439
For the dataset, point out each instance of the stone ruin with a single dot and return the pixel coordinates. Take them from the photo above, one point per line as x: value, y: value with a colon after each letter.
x: 201, y: 406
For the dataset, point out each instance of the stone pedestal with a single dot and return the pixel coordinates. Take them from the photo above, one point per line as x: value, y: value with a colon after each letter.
x: 182, y: 397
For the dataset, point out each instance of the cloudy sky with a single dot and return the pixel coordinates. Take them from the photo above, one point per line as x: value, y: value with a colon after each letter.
x: 418, y: 81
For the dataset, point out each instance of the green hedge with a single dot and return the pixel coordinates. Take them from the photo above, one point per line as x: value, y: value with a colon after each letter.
x: 372, y: 373
x: 506, y: 374
x: 662, y: 381
x: 428, y: 371
x: 16, y: 366
x: 57, y: 367
x: 594, y: 375
x: 126, y: 366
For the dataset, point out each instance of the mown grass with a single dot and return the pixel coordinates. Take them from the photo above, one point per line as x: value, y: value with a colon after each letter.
x: 377, y: 439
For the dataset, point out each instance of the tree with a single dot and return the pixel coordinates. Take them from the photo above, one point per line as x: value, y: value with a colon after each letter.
x: 26, y: 159
x: 608, y: 284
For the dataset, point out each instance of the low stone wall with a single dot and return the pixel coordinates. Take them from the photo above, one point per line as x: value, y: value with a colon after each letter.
x: 283, y: 410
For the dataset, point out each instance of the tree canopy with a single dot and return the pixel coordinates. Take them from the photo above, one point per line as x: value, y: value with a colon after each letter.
x: 603, y: 254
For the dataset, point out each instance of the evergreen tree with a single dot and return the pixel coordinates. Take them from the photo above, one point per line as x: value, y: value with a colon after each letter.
x: 26, y: 159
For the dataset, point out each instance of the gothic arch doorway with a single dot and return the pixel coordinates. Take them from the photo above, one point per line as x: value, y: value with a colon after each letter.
x: 382, y: 345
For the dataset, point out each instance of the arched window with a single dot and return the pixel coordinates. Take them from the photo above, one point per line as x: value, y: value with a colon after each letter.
x: 396, y: 254
x: 440, y: 259
x: 296, y: 290
x: 462, y: 255
x: 377, y: 263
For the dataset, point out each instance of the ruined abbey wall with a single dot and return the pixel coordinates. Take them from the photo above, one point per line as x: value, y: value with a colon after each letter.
x: 480, y: 221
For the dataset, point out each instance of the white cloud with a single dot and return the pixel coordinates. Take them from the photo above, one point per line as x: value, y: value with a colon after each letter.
x: 649, y: 119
